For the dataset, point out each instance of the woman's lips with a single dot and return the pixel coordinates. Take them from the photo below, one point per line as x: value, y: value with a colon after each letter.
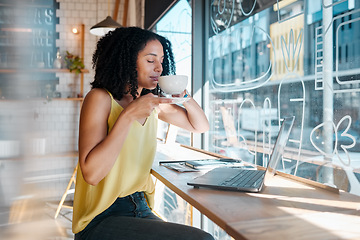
x: 154, y: 78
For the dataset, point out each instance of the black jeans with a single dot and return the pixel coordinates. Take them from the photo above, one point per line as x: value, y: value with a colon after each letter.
x: 130, y: 218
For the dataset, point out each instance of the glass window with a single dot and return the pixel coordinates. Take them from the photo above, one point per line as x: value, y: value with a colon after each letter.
x: 175, y: 25
x: 293, y: 58
x: 288, y: 58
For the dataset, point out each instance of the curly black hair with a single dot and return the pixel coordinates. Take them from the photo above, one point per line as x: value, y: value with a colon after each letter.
x: 114, y: 60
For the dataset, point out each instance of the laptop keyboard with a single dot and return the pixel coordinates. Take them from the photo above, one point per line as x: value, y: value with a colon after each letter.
x: 245, y: 178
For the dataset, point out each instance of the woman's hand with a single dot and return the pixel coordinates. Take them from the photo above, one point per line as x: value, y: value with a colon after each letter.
x: 143, y: 106
x: 191, y: 118
x: 182, y: 95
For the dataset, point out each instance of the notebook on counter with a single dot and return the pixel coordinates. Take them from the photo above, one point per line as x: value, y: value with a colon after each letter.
x: 248, y: 180
x: 212, y: 163
x: 201, y: 164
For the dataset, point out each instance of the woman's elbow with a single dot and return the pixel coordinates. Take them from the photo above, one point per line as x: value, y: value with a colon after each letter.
x: 205, y: 128
x: 202, y: 128
x: 90, y: 179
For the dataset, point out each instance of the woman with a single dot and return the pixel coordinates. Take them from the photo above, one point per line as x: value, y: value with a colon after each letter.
x: 117, y: 139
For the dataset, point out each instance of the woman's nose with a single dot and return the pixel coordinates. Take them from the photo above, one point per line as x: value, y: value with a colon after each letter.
x: 158, y: 67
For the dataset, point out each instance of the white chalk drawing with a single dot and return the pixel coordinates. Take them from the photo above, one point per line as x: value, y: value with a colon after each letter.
x: 291, y: 53
x: 221, y: 13
x: 266, y: 116
x: 179, y: 34
x: 344, y: 133
x: 223, y: 49
x: 299, y: 12
x: 234, y: 136
x: 336, y: 2
x: 241, y: 138
x: 292, y: 50
x: 267, y: 133
x: 337, y: 72
x: 223, y: 81
x: 251, y: 10
x: 298, y: 106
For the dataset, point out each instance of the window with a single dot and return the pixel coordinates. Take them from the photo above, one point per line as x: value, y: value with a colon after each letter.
x: 290, y: 62
x: 298, y: 58
x: 175, y: 25
x: 266, y: 62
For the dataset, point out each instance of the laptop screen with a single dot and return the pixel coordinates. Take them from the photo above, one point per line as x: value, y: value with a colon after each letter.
x: 280, y: 144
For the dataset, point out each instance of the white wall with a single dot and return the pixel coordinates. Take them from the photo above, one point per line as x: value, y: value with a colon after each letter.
x: 88, y: 12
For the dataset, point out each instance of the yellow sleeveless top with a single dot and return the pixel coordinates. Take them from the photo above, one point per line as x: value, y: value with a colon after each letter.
x: 130, y: 173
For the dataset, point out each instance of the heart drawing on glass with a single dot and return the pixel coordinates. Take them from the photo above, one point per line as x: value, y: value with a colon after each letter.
x: 344, y: 134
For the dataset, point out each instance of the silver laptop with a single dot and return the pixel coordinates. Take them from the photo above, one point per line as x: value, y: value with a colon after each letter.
x: 248, y: 180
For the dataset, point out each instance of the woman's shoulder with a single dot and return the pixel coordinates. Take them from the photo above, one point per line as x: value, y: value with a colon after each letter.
x: 98, y: 93
x: 97, y: 96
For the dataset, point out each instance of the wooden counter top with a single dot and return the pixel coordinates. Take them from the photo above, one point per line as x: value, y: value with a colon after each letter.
x: 285, y: 209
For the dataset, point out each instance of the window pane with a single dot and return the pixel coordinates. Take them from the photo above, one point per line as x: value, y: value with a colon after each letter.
x: 285, y: 61
x: 175, y: 25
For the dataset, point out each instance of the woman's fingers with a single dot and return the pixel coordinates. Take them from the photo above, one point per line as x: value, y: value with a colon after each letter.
x: 144, y: 105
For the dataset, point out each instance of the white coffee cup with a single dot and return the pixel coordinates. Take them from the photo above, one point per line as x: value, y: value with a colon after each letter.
x: 173, y: 84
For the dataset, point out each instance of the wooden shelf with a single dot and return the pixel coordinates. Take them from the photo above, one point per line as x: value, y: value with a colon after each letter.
x: 67, y: 99
x: 55, y: 155
x: 74, y: 154
x: 42, y: 99
x: 41, y: 70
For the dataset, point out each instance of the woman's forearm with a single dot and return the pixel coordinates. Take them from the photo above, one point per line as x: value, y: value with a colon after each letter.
x: 196, y: 116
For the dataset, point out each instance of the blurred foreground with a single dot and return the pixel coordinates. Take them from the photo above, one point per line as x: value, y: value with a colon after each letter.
x: 30, y: 218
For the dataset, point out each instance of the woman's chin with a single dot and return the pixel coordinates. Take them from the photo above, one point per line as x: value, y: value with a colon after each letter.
x: 152, y: 87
